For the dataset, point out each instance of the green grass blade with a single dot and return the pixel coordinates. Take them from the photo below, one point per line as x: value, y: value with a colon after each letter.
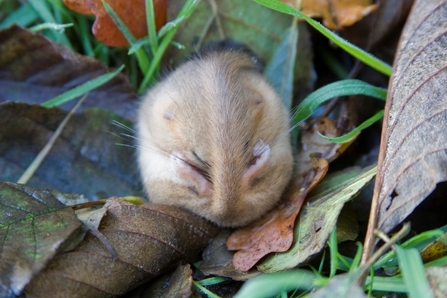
x: 212, y: 281
x: 205, y: 290
x: 82, y: 89
x: 143, y: 60
x: 186, y: 11
x: 387, y: 284
x: 358, y: 53
x: 151, y: 26
x: 350, y: 135
x: 271, y: 284
x: 340, y: 88
x: 23, y: 16
x: 333, y: 247
x: 358, y: 255
x: 413, y: 272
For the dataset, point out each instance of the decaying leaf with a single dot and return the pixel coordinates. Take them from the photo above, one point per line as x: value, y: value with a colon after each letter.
x: 33, y: 227
x: 435, y: 250
x: 218, y: 260
x: 336, y: 14
x: 174, y: 284
x: 149, y: 240
x: 413, y: 156
x: 132, y: 13
x: 85, y: 158
x: 274, y: 232
x: 34, y: 69
x: 319, y: 216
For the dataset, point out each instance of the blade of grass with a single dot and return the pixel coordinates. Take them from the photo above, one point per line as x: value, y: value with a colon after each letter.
x: 358, y: 53
x: 151, y: 26
x: 350, y: 135
x: 211, y: 281
x: 143, y: 60
x: 82, y: 89
x: 205, y: 290
x: 278, y: 282
x: 340, y: 88
x: 413, y: 272
x: 23, y: 16
x: 387, y: 284
x: 333, y: 247
x: 184, y: 13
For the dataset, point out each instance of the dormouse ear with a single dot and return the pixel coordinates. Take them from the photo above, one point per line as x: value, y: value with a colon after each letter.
x: 228, y: 45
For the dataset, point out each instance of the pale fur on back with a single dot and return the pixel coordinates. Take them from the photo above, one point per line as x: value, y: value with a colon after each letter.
x: 213, y: 110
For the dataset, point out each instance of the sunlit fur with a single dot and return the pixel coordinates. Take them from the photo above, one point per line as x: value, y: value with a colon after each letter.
x: 210, y: 113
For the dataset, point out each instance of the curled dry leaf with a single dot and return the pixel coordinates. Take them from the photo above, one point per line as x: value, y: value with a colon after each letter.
x: 274, y: 232
x: 33, y: 227
x: 413, y: 155
x: 149, y: 240
x: 132, y: 13
x: 336, y: 14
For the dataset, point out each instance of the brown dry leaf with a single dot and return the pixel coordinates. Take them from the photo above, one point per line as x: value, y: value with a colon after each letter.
x: 336, y: 14
x: 274, y: 232
x: 33, y: 227
x: 413, y: 155
x: 132, y: 13
x: 149, y: 240
x: 176, y: 284
x: 34, y: 69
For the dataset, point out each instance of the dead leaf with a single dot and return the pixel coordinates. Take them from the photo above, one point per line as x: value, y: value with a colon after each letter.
x: 274, y: 232
x: 175, y: 284
x: 414, y: 145
x: 33, y: 227
x: 34, y: 69
x: 132, y: 13
x: 435, y: 250
x: 85, y: 159
x: 336, y: 14
x: 149, y: 240
x: 319, y: 216
x: 218, y: 260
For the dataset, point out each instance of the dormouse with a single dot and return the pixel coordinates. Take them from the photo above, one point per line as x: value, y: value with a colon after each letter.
x: 213, y: 138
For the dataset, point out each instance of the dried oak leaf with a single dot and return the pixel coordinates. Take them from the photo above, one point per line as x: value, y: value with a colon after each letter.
x: 149, y: 239
x: 413, y: 155
x: 132, y: 13
x: 33, y: 227
x: 34, y: 69
x: 336, y: 14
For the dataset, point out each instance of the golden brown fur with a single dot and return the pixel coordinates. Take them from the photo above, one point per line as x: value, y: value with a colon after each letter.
x: 212, y: 140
